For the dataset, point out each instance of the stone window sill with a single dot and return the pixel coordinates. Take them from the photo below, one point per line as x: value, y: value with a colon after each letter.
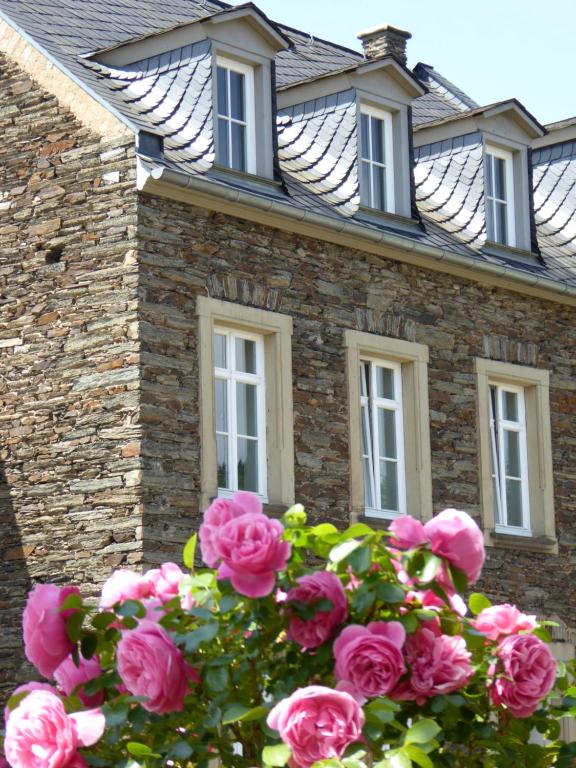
x: 545, y: 544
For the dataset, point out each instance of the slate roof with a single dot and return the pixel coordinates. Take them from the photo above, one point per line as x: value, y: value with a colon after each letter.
x: 170, y: 95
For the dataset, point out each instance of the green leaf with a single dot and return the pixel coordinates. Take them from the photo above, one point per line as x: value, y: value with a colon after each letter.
x: 361, y: 559
x: 236, y: 713
x: 190, y: 552
x: 421, y: 732
x: 418, y: 756
x: 431, y: 565
x: 390, y: 593
x: 88, y: 645
x: 342, y: 551
x: 103, y: 620
x: 116, y: 716
x: 72, y: 602
x: 358, y: 529
x: 543, y: 634
x: 276, y: 756
x: 216, y: 678
x: 459, y: 578
x: 180, y: 751
x: 228, y: 603
x: 74, y: 626
x: 477, y: 602
x: 409, y: 622
x: 397, y: 759
x: 203, y: 634
x: 140, y: 750
x: 324, y: 529
x: 131, y: 609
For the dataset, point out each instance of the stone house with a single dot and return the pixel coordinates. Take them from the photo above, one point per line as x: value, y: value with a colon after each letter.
x: 233, y: 255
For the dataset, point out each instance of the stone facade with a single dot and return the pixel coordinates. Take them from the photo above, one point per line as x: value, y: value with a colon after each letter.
x: 99, y: 423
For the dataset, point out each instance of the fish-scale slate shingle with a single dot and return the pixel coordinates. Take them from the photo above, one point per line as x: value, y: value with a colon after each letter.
x: 555, y: 198
x: 170, y: 95
x: 443, y: 99
x: 318, y: 150
x: 449, y: 180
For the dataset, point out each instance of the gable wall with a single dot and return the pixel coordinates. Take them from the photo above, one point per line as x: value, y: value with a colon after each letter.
x: 68, y: 353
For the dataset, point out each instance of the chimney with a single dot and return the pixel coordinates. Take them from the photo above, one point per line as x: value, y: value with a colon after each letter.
x: 385, y: 41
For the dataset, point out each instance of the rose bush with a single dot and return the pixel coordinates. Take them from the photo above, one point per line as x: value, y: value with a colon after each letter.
x: 298, y: 645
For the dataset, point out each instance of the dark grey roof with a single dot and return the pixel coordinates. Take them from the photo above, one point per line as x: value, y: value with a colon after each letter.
x: 555, y: 200
x: 170, y: 95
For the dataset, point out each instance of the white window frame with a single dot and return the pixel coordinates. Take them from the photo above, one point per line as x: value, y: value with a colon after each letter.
x: 498, y: 426
x: 369, y: 406
x: 367, y: 196
x: 491, y: 200
x: 233, y: 376
x: 249, y: 110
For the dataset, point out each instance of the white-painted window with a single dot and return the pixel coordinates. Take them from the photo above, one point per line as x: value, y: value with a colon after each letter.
x: 382, y: 438
x: 239, y: 403
x: 235, y: 140
x: 500, y: 222
x: 376, y: 159
x: 509, y: 459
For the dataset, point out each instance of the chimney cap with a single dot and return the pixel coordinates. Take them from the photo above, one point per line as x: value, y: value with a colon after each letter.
x: 383, y: 28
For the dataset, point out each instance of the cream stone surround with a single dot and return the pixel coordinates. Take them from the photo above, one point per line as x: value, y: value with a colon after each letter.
x: 414, y: 360
x: 277, y: 331
x: 535, y: 382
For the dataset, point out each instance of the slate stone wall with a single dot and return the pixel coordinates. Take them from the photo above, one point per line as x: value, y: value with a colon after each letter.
x: 185, y: 252
x: 69, y: 355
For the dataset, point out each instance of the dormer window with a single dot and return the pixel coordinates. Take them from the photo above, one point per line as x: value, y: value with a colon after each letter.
x: 500, y: 223
x: 376, y: 159
x: 235, y: 147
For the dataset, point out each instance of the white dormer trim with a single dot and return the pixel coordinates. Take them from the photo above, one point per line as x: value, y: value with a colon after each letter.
x: 509, y: 200
x: 249, y: 107
x: 389, y: 159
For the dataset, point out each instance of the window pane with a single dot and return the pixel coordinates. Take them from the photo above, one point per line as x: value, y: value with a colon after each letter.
x: 222, y: 461
x: 510, y: 406
x: 365, y: 429
x: 238, y: 111
x: 377, y: 139
x: 489, y: 175
x: 223, y: 148
x: 384, y: 383
x: 364, y: 379
x: 378, y: 188
x: 386, y: 434
x: 514, y: 502
x: 245, y: 355
x: 389, y: 485
x: 501, y: 223
x: 221, y: 405
x: 365, y: 184
x: 497, y: 501
x: 490, y: 224
x: 247, y: 465
x: 368, y: 500
x: 364, y: 140
x: 499, y: 178
x: 512, y: 453
x: 238, y: 147
x: 222, y: 91
x: 246, y: 409
x: 220, y: 351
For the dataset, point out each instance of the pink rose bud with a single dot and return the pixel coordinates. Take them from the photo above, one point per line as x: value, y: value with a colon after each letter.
x: 44, y: 624
x: 501, y: 620
x: 439, y: 664
x: 150, y: 665
x: 528, y: 674
x: 165, y: 581
x: 407, y: 532
x: 317, y: 723
x: 455, y: 536
x: 39, y: 733
x: 69, y: 677
x: 220, y: 512
x: 369, y: 659
x: 124, y: 585
x: 251, y: 550
x: 310, y: 633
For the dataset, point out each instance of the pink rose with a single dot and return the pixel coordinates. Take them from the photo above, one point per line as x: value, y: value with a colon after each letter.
x: 45, y: 638
x: 312, y: 632
x: 429, y: 599
x: 39, y: 733
x: 220, y: 512
x: 528, y: 674
x: 317, y: 723
x: 369, y: 659
x: 408, y: 532
x: 69, y: 677
x: 27, y: 688
x: 499, y: 620
x: 124, y: 585
x: 165, y: 581
x: 455, y: 536
x: 150, y: 664
x: 439, y: 664
x: 251, y: 550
